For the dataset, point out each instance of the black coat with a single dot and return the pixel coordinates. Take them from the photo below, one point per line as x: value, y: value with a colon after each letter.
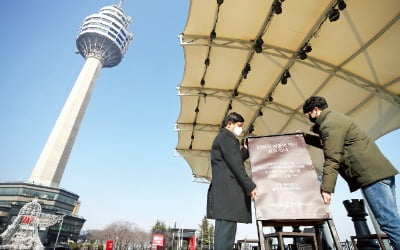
x: 228, y: 195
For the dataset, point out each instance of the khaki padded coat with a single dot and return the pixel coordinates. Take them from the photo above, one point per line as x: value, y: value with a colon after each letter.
x: 350, y: 152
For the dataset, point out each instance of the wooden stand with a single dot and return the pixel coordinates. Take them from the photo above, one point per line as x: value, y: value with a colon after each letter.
x: 315, y: 237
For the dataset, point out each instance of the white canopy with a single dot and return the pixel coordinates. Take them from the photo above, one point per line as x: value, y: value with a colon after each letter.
x: 237, y: 52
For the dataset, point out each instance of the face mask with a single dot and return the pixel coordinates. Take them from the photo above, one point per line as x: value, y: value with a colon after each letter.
x: 237, y: 130
x: 313, y: 120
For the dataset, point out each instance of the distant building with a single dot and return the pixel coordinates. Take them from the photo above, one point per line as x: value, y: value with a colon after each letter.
x: 57, y: 201
x: 183, y: 238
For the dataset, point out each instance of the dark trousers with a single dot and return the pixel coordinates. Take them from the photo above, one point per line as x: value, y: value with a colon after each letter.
x: 224, y: 234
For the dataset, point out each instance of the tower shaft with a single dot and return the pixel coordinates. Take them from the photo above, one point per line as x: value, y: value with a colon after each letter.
x: 54, y: 157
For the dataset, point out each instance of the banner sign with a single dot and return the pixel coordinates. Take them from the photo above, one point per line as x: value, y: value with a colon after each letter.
x: 158, y: 240
x: 287, y: 184
x: 192, y: 243
x: 109, y: 245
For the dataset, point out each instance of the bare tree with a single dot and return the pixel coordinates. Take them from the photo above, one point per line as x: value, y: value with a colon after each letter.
x: 126, y: 235
x: 141, y: 239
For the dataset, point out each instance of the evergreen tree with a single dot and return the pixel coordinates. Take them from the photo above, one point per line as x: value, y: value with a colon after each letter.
x: 161, y: 228
x: 206, y: 238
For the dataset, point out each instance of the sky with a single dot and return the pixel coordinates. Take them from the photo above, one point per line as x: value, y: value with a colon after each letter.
x: 123, y: 164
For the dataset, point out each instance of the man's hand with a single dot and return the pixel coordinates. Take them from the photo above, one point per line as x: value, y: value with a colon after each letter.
x: 327, y: 197
x: 244, y: 143
x: 253, y: 194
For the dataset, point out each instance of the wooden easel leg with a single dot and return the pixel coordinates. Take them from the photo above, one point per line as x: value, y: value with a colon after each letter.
x: 318, y: 236
x: 334, y: 234
x: 315, y: 242
x: 381, y: 243
x: 261, y: 239
x: 281, y: 243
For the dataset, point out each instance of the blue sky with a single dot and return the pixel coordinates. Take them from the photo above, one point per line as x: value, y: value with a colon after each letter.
x: 122, y: 164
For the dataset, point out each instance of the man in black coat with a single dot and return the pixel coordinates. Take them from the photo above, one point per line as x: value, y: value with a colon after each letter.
x: 228, y: 199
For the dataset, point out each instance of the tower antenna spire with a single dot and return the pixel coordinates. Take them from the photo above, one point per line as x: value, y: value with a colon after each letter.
x: 120, y: 3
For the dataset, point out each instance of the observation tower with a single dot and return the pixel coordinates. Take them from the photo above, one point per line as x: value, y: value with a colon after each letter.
x: 103, y: 40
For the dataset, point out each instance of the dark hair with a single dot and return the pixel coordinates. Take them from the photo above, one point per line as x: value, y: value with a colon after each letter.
x: 314, y: 101
x: 232, y: 117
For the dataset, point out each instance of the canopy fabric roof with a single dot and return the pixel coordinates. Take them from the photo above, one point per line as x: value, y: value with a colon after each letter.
x: 354, y: 63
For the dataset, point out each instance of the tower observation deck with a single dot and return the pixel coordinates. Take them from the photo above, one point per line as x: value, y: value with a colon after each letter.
x: 105, y: 36
x: 103, y: 40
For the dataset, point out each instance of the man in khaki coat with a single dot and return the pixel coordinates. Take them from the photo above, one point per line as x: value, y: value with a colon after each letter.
x: 351, y: 153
